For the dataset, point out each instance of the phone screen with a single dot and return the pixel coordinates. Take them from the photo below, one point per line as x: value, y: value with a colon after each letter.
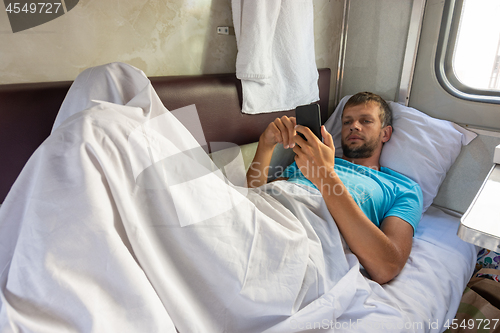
x: 309, y: 115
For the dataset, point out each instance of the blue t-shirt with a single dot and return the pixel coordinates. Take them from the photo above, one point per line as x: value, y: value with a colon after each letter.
x: 379, y: 194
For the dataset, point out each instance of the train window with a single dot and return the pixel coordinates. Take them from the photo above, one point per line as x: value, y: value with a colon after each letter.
x: 478, y: 42
x: 468, y: 59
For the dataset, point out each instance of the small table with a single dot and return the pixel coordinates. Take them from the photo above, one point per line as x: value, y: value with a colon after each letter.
x: 480, y: 225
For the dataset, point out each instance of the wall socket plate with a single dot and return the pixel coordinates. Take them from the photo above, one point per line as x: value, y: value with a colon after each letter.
x: 223, y: 30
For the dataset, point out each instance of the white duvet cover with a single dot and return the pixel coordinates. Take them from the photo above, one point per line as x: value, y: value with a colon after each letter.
x: 121, y: 223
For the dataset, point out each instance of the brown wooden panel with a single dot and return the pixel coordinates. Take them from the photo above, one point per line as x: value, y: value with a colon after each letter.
x: 27, y: 112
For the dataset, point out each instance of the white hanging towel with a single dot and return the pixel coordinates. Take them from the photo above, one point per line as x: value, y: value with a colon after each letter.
x: 276, y: 60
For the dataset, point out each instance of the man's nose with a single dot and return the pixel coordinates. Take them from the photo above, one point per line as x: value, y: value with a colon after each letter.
x: 355, y: 126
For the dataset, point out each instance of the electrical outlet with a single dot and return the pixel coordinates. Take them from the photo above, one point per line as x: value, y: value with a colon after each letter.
x: 223, y: 30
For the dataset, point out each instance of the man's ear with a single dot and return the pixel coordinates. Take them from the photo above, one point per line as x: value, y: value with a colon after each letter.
x: 386, y: 133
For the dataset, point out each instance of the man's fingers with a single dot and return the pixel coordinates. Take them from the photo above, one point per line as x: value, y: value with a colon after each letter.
x: 286, y: 126
x: 306, y: 132
x: 298, y: 140
x: 282, y: 132
x: 274, y: 133
x: 327, y: 137
x: 290, y: 130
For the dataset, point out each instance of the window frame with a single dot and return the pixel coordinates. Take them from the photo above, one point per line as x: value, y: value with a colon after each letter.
x: 447, y: 41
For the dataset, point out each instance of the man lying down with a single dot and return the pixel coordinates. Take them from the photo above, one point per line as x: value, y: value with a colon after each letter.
x: 376, y: 209
x: 120, y: 223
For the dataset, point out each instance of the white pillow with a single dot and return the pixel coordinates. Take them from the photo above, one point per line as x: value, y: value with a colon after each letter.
x: 421, y: 147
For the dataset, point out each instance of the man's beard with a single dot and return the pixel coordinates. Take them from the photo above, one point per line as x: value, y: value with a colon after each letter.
x: 364, y: 151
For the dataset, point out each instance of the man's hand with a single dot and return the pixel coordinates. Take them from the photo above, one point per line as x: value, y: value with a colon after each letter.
x: 281, y: 130
x: 314, y: 158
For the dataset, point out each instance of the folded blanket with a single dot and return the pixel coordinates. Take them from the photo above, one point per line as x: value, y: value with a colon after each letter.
x: 276, y: 59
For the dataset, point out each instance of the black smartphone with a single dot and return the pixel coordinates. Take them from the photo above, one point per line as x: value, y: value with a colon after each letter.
x: 309, y: 116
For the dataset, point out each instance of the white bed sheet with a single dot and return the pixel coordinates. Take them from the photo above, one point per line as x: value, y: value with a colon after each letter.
x: 116, y: 225
x: 422, y: 298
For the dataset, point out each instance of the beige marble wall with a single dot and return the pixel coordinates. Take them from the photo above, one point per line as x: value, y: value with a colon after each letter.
x: 161, y: 37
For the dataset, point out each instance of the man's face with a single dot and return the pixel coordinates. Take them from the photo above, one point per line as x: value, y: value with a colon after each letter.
x: 361, y: 130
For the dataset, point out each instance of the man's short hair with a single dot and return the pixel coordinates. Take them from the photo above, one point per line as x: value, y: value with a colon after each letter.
x: 367, y: 97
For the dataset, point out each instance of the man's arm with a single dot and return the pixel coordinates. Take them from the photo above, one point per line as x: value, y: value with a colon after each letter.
x: 281, y: 130
x: 382, y: 252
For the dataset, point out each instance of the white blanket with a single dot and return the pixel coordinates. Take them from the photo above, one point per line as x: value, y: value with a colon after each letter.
x: 120, y: 223
x: 276, y: 60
